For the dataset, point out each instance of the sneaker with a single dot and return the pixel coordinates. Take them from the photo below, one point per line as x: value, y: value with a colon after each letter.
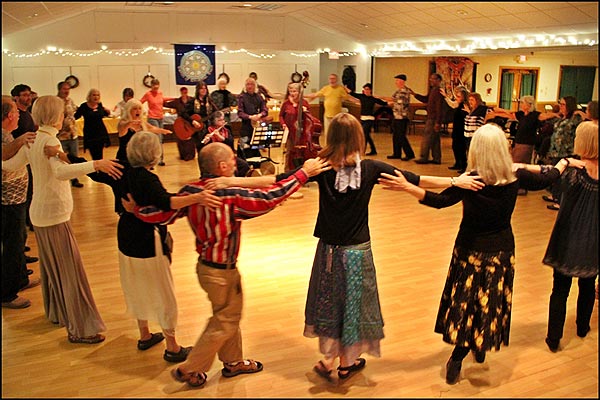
x: 180, y: 356
x: 453, y: 371
x: 32, y: 283
x: 242, y: 367
x: 19, y: 302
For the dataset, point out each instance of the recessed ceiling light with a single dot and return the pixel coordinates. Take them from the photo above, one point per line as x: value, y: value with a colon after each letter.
x: 364, y: 25
x: 462, y: 12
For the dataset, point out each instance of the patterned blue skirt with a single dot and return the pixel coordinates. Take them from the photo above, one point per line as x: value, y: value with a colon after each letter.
x: 342, y: 306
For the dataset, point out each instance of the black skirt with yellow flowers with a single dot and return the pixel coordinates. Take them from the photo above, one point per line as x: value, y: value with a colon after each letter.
x: 476, y: 302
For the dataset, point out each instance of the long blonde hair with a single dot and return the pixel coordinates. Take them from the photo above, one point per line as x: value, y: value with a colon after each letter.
x: 126, y: 117
x: 345, y: 140
x: 489, y: 155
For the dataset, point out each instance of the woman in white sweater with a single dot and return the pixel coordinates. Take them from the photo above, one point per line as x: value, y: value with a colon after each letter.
x: 68, y: 299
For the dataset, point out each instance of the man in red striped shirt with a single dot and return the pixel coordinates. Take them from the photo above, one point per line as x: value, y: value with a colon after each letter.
x: 217, y: 233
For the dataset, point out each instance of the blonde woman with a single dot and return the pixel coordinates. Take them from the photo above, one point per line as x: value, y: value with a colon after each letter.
x: 476, y: 304
x: 95, y: 134
x: 342, y: 306
x: 573, y: 248
x: 68, y: 299
x: 132, y: 122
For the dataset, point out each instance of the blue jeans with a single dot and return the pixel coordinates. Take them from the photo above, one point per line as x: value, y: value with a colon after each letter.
x: 159, y: 124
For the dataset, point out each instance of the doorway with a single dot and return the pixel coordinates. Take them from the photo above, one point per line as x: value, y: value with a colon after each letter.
x: 516, y: 83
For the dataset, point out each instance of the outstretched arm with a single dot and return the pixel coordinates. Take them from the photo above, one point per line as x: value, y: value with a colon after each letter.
x: 464, y: 181
x: 399, y: 182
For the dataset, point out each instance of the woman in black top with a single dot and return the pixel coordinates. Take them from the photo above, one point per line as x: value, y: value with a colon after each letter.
x: 476, y: 304
x: 461, y: 110
x: 201, y: 108
x: 342, y: 306
x: 367, y: 111
x: 144, y: 253
x: 95, y: 134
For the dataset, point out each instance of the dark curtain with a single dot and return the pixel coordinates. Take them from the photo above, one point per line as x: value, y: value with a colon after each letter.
x: 508, y: 79
x: 528, y: 84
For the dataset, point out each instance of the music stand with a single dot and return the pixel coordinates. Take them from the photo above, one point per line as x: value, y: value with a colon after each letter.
x: 265, y: 137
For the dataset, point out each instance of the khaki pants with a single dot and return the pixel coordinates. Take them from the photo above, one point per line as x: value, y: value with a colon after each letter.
x: 222, y: 334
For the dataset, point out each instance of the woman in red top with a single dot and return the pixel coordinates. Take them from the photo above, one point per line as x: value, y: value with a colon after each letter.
x: 154, y: 98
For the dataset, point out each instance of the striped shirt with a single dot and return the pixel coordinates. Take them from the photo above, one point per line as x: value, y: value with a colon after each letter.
x: 474, y: 120
x: 218, y: 232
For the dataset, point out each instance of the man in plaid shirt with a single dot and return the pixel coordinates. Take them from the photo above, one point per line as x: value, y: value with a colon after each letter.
x: 217, y: 229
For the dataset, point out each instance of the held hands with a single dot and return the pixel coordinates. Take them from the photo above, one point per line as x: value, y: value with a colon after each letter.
x: 575, y: 163
x: 113, y: 169
x: 129, y: 204
x: 27, y: 139
x: 469, y: 182
x: 314, y: 166
x: 50, y: 151
x: 221, y: 182
x: 391, y: 182
x: 207, y: 199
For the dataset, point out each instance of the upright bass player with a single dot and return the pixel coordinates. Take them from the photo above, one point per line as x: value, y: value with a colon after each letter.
x: 303, y: 128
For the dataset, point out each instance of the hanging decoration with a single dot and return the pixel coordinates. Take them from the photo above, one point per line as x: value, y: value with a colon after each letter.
x: 147, y: 80
x: 72, y: 80
x: 455, y: 71
x: 194, y: 63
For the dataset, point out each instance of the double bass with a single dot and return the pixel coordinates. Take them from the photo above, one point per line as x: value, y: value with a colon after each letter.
x: 307, y: 131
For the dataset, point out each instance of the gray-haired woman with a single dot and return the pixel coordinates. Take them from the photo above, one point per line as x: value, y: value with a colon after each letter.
x: 68, y: 299
x: 145, y: 270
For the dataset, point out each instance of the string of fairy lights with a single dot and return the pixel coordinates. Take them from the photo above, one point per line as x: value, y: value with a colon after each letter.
x: 384, y: 50
x: 151, y: 49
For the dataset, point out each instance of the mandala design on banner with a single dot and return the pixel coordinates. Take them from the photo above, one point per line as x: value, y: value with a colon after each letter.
x: 195, y: 66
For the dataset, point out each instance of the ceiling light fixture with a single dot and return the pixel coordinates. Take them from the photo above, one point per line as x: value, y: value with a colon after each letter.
x: 462, y: 12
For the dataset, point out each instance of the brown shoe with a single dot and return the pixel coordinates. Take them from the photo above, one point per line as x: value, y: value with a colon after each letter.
x: 194, y: 379
x: 19, y: 302
x: 97, y: 338
x: 32, y: 283
x: 242, y: 367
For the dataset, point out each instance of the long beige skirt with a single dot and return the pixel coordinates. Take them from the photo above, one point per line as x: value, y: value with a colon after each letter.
x: 68, y: 298
x: 148, y: 287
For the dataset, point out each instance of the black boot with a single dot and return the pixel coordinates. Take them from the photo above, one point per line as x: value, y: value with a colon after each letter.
x: 453, y: 371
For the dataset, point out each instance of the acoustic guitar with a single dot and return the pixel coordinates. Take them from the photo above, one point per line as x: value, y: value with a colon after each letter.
x: 184, y: 129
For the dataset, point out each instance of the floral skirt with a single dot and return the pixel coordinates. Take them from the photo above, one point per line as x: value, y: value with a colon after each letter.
x: 342, y: 306
x: 476, y: 303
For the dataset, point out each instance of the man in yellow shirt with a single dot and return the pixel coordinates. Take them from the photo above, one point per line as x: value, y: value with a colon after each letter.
x: 334, y: 94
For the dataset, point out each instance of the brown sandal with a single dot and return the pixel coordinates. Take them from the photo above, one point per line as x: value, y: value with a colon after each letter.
x: 194, y: 379
x: 322, y: 370
x: 97, y: 338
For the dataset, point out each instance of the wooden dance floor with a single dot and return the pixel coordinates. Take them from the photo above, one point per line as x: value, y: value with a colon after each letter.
x: 412, y: 246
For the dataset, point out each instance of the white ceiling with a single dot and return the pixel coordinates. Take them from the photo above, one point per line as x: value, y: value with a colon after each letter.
x: 369, y: 23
